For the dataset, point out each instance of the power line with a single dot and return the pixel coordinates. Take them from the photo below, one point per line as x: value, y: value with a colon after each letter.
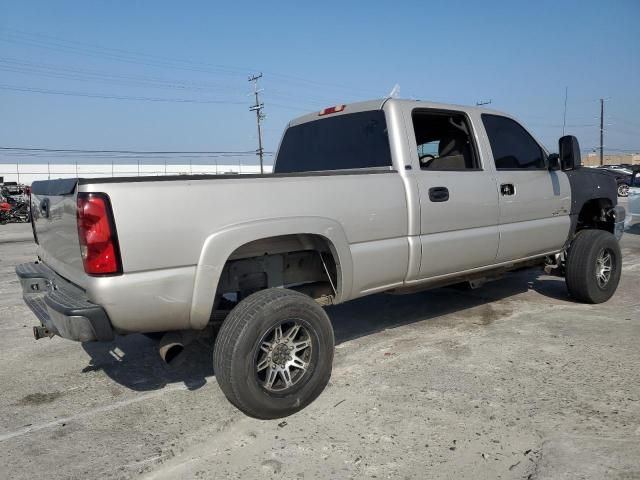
x: 135, y: 81
x: 114, y: 57
x: 115, y: 97
x: 150, y: 152
x: 46, y: 41
x: 63, y: 72
x: 298, y: 108
x: 60, y: 71
x: 128, y: 56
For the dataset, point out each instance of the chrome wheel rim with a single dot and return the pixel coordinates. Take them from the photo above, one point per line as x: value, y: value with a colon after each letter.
x: 623, y: 190
x: 604, y: 267
x: 283, y: 356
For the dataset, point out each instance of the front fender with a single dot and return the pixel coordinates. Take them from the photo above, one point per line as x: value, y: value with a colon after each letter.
x: 219, y: 246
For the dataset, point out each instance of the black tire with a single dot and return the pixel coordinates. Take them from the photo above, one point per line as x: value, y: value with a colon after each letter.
x: 582, y: 266
x: 238, y: 353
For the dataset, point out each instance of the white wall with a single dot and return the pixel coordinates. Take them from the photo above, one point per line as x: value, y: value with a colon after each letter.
x: 29, y: 172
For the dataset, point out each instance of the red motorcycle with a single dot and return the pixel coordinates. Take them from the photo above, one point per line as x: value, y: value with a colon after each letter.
x: 5, y: 212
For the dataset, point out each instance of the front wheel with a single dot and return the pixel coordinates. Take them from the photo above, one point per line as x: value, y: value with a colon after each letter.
x: 593, y: 267
x: 274, y: 352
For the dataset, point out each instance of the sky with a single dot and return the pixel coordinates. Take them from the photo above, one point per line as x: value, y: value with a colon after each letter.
x: 159, y: 75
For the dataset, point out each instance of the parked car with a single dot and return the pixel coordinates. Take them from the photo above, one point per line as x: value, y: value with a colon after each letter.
x: 625, y: 166
x: 380, y: 196
x: 11, y: 188
x: 623, y: 180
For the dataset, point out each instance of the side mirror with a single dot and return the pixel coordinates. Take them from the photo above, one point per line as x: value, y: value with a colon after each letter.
x: 569, y: 152
x: 553, y: 160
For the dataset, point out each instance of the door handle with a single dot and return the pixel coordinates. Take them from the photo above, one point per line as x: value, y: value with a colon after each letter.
x: 507, y: 189
x: 438, y: 194
x: 44, y: 208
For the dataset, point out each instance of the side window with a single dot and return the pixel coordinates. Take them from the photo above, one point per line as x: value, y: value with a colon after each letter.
x: 443, y: 141
x: 512, y: 146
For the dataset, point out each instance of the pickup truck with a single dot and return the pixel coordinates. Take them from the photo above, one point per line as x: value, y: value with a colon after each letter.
x: 386, y: 195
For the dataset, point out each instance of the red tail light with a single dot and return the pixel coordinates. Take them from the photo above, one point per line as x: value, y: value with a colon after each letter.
x: 97, y: 234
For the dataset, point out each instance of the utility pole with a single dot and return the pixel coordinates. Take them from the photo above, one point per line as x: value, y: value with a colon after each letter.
x: 564, y: 118
x: 602, y: 131
x: 259, y: 116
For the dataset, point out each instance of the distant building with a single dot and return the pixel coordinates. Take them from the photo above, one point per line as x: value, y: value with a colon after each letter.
x: 593, y: 159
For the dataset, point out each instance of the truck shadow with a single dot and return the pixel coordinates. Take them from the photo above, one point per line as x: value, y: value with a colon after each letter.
x: 133, y: 361
x: 633, y: 229
x: 451, y: 307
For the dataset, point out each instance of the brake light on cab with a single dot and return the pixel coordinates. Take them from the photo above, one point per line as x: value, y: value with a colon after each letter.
x: 97, y: 234
x: 330, y: 110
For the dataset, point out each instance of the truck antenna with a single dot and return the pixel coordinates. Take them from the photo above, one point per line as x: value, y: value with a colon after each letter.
x: 395, y: 91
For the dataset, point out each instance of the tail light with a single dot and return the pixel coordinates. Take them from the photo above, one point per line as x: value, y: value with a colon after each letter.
x: 97, y: 234
x: 330, y: 110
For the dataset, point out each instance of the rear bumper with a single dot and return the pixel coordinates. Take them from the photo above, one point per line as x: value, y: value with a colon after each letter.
x: 62, y: 308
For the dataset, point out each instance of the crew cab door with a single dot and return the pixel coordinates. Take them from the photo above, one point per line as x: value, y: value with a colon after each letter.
x: 458, y: 196
x: 534, y: 201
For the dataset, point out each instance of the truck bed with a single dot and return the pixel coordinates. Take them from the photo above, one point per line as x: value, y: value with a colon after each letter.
x: 165, y: 224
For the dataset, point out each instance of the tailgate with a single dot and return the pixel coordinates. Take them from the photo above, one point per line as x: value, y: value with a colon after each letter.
x: 53, y: 206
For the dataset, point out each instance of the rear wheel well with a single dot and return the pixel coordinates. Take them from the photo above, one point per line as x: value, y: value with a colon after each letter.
x: 304, y: 262
x: 595, y: 214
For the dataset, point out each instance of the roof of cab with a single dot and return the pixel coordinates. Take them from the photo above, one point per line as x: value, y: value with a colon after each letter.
x: 377, y: 104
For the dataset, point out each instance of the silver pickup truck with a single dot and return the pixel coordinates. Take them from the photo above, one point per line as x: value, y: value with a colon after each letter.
x: 380, y: 196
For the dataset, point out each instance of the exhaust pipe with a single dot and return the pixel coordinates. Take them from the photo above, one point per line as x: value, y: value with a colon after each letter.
x: 172, y: 345
x: 42, y: 332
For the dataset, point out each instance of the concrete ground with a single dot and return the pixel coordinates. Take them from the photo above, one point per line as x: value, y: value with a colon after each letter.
x: 513, y: 380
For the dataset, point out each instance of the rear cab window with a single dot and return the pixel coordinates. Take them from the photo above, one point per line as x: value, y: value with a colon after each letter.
x: 344, y: 142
